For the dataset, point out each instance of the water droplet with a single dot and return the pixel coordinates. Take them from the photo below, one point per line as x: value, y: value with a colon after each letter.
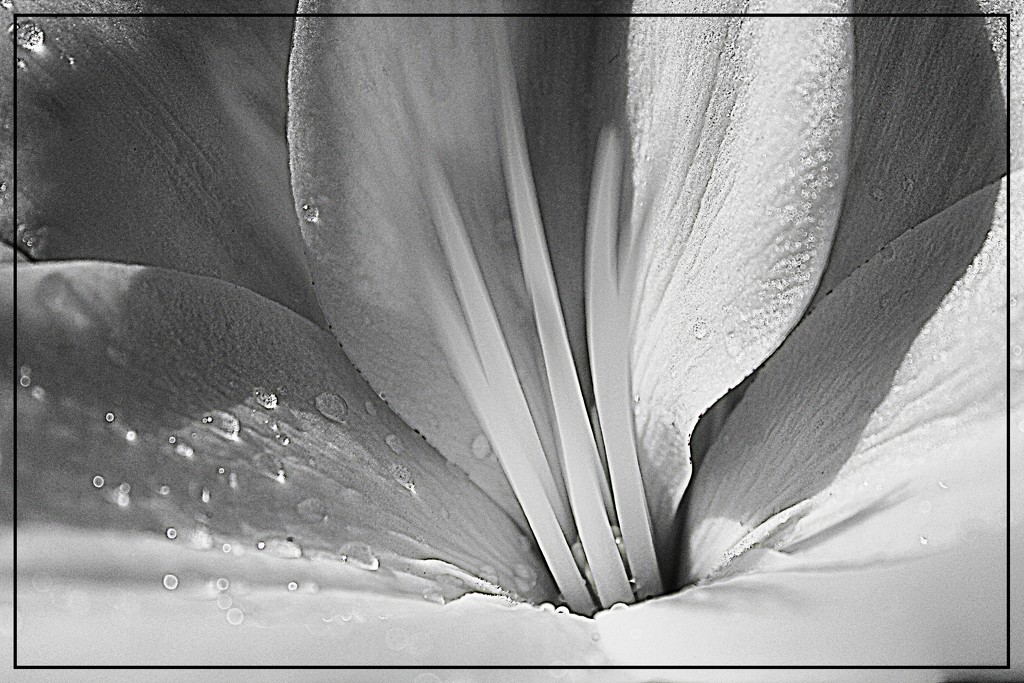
x: 700, y: 329
x: 481, y: 446
x: 312, y: 510
x: 371, y: 409
x: 284, y: 548
x: 944, y: 485
x: 561, y: 609
x: 30, y: 36
x: 184, y: 450
x: 172, y: 533
x: 25, y: 381
x: 267, y: 399
x: 226, y: 547
x: 122, y: 498
x: 924, y: 541
x: 109, y: 417
x: 235, y: 616
x: 170, y: 581
x: 223, y: 601
x: 172, y: 439
x: 360, y: 555
x: 310, y: 213
x: 403, y: 476
x: 292, y: 586
x: 733, y: 345
x: 260, y: 545
x: 332, y: 406
x: 618, y: 607
x: 97, y: 481
x: 223, y: 423
x: 223, y: 584
x: 394, y: 443
x: 130, y: 435
x: 164, y: 490
x: 221, y: 470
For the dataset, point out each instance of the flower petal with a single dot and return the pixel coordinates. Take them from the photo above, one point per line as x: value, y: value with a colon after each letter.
x: 120, y: 613
x: 905, y: 167
x: 871, y: 434
x: 377, y: 101
x: 162, y: 141
x: 738, y: 177
x: 202, y: 414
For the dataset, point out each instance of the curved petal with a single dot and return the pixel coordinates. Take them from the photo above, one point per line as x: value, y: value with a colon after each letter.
x: 257, y: 620
x: 202, y: 414
x: 738, y: 178
x: 162, y: 141
x: 905, y: 167
x: 856, y: 431
x: 380, y: 106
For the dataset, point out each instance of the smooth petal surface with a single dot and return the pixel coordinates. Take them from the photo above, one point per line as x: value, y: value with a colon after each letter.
x: 905, y: 167
x: 162, y: 141
x: 871, y: 434
x: 375, y: 101
x: 206, y: 416
x: 738, y: 173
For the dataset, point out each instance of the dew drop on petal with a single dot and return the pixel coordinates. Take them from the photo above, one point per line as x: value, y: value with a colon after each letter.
x: 360, y: 555
x: 170, y: 581
x: 481, y: 446
x: 312, y: 510
x: 97, y: 481
x: 235, y: 616
x: 394, y: 443
x: 265, y: 398
x: 29, y: 35
x: 224, y: 424
x: 332, y: 406
x: 172, y: 533
x: 403, y: 476
x: 310, y: 213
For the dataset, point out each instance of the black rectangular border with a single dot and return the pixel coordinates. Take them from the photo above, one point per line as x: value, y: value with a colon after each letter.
x: 16, y: 16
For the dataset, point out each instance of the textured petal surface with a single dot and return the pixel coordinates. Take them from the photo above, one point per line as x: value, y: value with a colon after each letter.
x: 905, y: 167
x: 201, y: 414
x: 871, y: 433
x: 374, y: 101
x: 162, y: 141
x: 738, y: 175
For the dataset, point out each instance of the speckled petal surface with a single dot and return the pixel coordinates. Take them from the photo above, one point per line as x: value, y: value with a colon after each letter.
x: 738, y: 174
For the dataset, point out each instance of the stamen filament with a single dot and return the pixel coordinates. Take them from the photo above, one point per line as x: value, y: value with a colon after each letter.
x: 582, y: 468
x: 459, y: 348
x: 489, y: 340
x: 608, y: 327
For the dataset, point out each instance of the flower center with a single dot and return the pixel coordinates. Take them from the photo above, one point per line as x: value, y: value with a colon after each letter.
x: 585, y: 504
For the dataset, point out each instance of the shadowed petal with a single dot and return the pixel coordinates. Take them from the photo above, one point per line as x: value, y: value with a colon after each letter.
x: 738, y: 176
x: 151, y: 399
x: 162, y: 141
x: 871, y: 433
x: 376, y: 103
x: 905, y: 165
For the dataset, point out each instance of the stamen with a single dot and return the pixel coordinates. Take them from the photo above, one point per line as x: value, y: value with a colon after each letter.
x: 455, y: 339
x: 489, y: 340
x: 582, y: 468
x: 608, y: 325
